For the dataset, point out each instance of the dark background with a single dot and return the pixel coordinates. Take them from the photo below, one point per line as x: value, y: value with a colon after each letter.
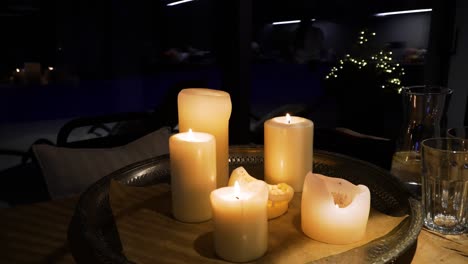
x: 117, y: 56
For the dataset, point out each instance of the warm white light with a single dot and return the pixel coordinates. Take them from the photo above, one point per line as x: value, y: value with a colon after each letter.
x: 51, y: 68
x: 179, y: 2
x: 404, y: 12
x: 288, y: 118
x: 289, y: 22
x: 190, y: 134
x: 236, y: 190
x: 286, y: 22
x: 17, y: 70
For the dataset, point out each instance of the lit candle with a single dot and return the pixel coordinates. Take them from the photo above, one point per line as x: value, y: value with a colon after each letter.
x: 208, y: 110
x: 333, y: 210
x: 288, y: 150
x: 193, y: 175
x: 240, y: 221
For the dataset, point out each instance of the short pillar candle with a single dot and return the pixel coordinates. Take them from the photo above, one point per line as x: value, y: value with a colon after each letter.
x: 193, y: 175
x: 240, y: 221
x: 208, y: 110
x: 288, y: 150
x: 334, y: 210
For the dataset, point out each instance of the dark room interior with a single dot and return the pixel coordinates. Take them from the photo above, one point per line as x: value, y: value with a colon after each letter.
x: 84, y: 83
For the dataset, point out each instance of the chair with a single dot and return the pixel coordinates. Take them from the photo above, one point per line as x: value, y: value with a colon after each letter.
x: 23, y: 183
x: 127, y: 127
x: 378, y: 151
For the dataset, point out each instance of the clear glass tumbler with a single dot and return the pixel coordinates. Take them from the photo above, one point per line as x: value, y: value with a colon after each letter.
x: 423, y: 109
x: 445, y: 185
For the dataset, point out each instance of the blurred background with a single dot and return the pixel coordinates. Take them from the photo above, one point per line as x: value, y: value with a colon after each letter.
x: 340, y: 63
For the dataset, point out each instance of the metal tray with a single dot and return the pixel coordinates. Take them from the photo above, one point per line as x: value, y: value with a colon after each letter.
x: 93, y: 236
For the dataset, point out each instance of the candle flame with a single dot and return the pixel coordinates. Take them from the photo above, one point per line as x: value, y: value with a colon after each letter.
x: 190, y: 134
x: 288, y: 118
x: 17, y: 70
x: 236, y: 190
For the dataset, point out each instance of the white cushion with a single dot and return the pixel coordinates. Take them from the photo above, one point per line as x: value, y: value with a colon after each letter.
x: 69, y: 171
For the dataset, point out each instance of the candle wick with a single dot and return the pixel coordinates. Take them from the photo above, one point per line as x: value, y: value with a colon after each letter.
x: 289, y: 121
x: 237, y: 197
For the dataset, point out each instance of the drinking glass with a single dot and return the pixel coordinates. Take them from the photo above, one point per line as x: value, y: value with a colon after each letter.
x: 445, y: 184
x: 423, y: 109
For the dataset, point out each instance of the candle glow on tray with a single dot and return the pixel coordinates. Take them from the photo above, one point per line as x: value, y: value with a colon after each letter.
x: 333, y: 210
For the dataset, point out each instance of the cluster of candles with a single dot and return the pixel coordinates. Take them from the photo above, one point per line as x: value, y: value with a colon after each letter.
x: 333, y: 210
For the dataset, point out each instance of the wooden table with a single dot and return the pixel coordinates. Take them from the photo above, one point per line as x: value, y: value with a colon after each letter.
x: 37, y: 233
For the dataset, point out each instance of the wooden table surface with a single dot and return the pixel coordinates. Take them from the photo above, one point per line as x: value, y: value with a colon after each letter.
x: 37, y: 233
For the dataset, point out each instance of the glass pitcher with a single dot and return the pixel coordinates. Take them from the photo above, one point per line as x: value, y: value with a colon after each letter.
x: 423, y: 109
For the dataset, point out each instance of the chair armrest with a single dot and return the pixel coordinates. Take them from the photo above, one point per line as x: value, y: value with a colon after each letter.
x: 376, y: 150
x: 96, y: 121
x: 22, y: 183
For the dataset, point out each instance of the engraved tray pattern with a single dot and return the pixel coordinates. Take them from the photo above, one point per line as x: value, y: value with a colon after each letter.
x: 93, y: 235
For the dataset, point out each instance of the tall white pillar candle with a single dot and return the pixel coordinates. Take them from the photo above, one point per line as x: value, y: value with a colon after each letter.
x: 208, y: 110
x: 333, y: 210
x: 288, y: 145
x: 240, y: 221
x: 193, y: 175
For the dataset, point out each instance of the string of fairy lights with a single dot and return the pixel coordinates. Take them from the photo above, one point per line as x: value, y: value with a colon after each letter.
x: 382, y: 62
